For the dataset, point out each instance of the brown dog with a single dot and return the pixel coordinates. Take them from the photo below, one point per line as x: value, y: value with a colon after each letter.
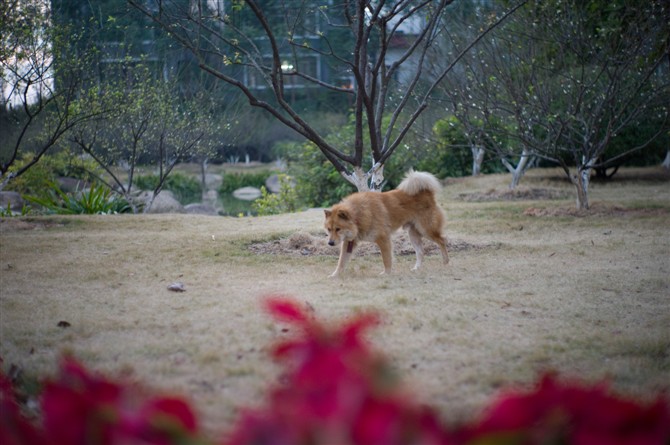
x: 374, y: 216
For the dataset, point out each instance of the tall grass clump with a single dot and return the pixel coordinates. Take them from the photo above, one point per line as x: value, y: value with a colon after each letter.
x: 98, y: 200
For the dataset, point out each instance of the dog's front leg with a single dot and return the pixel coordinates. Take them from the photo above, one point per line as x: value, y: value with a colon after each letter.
x: 386, y: 248
x: 346, y: 250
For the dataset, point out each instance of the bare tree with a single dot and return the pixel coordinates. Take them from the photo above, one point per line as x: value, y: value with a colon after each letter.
x: 40, y: 79
x: 359, y: 40
x: 148, y: 126
x: 567, y: 80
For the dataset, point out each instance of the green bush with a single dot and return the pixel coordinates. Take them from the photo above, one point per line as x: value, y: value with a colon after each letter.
x: 635, y: 135
x: 186, y: 189
x: 452, y: 156
x: 40, y: 176
x: 99, y: 199
x: 234, y: 181
x: 318, y: 184
x: 286, y: 201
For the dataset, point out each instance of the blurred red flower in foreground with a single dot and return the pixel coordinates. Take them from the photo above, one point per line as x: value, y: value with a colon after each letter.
x: 336, y: 391
x: 80, y: 408
x: 571, y: 413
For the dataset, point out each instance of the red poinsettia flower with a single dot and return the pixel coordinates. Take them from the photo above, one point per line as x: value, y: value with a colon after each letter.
x: 14, y: 428
x: 161, y: 421
x: 335, y: 390
x: 572, y: 413
x: 80, y: 408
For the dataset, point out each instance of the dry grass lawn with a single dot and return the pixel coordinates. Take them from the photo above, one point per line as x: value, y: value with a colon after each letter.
x: 532, y: 285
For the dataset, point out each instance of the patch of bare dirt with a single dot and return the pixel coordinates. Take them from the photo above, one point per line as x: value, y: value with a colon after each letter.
x: 597, y: 209
x: 307, y: 244
x: 519, y: 194
x: 14, y: 224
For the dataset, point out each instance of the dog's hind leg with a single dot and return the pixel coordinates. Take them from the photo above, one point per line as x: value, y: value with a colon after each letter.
x: 441, y: 241
x: 415, y: 238
x: 346, y: 250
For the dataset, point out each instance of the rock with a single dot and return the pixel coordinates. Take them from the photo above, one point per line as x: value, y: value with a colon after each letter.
x: 177, y: 286
x: 165, y: 202
x: 211, y: 198
x: 247, y: 193
x: 11, y: 199
x: 71, y: 185
x: 200, y: 209
x: 273, y: 184
x: 213, y: 181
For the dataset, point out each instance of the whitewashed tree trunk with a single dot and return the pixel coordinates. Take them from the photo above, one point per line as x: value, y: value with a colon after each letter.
x: 4, y: 181
x: 366, y: 181
x: 477, y: 159
x: 358, y: 178
x: 666, y: 161
x: 581, y: 180
x: 376, y: 177
x: 520, y: 169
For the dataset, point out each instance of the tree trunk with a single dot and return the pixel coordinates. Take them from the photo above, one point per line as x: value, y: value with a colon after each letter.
x: 520, y: 169
x: 581, y: 181
x: 477, y: 159
x: 4, y: 181
x: 372, y: 180
x: 358, y: 178
x: 150, y: 202
x: 666, y: 161
x: 377, y: 177
x: 203, y: 177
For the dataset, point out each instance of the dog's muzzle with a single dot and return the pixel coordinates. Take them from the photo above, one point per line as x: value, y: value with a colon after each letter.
x: 331, y: 243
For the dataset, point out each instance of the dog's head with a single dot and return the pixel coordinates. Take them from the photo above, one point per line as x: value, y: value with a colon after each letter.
x: 339, y: 225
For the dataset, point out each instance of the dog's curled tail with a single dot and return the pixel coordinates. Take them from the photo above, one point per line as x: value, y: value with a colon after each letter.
x: 416, y: 182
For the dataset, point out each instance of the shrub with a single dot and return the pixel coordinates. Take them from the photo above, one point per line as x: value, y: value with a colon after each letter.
x: 234, y: 181
x: 97, y: 200
x: 317, y: 183
x: 186, y: 189
x: 452, y: 155
x: 50, y: 167
x: 286, y: 201
x: 335, y: 390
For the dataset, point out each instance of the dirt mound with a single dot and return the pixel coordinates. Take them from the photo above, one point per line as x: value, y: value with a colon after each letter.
x: 307, y: 244
x: 519, y: 194
x: 597, y: 209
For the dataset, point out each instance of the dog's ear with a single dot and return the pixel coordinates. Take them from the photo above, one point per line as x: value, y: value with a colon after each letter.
x: 343, y: 214
x: 328, y: 213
